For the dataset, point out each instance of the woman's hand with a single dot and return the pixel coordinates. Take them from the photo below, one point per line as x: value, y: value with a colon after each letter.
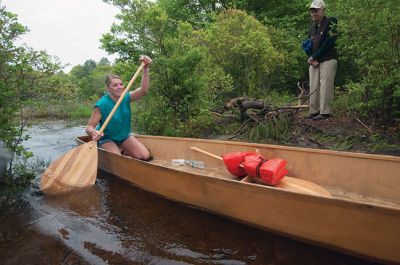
x: 96, y: 135
x: 145, y: 60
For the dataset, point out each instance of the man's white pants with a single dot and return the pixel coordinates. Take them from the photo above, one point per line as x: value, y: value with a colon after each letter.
x: 322, y: 83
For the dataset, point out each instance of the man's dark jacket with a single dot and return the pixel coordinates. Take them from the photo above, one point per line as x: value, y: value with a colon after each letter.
x: 323, y: 37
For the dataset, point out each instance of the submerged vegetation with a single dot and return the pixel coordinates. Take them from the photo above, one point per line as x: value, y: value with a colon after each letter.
x: 207, y: 53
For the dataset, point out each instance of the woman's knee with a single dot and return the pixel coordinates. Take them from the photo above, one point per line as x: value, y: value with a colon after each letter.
x: 144, y: 155
x: 111, y: 147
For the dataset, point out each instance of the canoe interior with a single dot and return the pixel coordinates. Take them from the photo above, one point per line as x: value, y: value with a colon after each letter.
x: 363, y: 178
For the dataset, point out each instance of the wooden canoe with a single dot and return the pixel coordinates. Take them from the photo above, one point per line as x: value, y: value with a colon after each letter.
x: 362, y: 216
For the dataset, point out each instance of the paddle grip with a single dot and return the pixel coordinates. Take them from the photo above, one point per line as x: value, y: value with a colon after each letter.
x: 103, y: 127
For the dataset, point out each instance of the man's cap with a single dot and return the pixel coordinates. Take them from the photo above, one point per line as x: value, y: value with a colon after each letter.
x: 317, y: 4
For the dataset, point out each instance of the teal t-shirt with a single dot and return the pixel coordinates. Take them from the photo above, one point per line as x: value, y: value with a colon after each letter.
x: 119, y: 127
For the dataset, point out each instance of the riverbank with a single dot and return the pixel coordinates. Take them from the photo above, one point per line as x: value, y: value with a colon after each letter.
x: 58, y: 110
x: 339, y: 133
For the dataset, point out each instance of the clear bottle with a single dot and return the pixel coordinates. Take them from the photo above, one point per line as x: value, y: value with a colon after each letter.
x: 178, y: 162
x: 196, y: 164
x: 190, y: 163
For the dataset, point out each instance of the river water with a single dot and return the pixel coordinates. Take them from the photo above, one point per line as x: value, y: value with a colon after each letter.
x: 117, y: 223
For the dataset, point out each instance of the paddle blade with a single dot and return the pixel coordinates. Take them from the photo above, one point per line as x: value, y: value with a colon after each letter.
x: 303, y: 186
x: 76, y: 169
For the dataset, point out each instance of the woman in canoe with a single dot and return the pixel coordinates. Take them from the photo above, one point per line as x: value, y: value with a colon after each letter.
x: 117, y: 135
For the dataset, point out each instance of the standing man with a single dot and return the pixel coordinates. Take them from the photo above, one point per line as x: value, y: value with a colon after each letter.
x: 322, y: 60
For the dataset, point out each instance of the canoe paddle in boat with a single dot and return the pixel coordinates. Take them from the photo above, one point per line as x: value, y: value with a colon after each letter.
x: 77, y: 169
x: 286, y: 183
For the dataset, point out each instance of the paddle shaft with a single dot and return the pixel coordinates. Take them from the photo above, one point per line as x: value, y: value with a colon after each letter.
x: 205, y: 152
x: 103, y: 127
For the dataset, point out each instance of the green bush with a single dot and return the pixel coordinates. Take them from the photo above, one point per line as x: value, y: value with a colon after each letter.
x: 276, y: 128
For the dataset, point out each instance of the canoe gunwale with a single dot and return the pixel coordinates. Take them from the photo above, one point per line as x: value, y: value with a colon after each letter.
x: 280, y: 147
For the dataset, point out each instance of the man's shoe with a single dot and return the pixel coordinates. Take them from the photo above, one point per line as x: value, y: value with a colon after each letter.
x: 311, y: 116
x: 321, y: 117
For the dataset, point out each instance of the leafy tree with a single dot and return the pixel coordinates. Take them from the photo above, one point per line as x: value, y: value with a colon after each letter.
x: 104, y: 62
x: 21, y: 70
x: 198, y: 13
x: 178, y: 76
x: 290, y: 15
x: 370, y: 54
x: 90, y: 78
x: 243, y: 47
x: 135, y: 34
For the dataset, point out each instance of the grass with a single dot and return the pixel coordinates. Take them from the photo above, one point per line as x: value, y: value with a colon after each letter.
x: 58, y: 110
x: 276, y: 128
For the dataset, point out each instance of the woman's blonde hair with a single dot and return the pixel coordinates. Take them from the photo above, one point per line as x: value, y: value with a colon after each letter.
x: 110, y: 77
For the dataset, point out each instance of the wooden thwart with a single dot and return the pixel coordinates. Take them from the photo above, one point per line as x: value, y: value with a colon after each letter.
x: 287, y: 183
x: 77, y: 169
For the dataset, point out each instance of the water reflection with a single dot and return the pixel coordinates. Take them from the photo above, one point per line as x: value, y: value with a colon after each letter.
x: 116, y: 223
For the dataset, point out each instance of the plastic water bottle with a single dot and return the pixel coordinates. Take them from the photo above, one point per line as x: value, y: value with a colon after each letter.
x: 191, y: 163
x: 196, y: 164
x: 178, y: 162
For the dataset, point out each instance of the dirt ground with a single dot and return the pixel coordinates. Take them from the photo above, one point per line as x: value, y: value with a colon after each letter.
x: 345, y: 134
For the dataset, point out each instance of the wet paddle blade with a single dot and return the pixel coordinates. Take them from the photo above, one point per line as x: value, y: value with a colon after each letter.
x: 77, y: 169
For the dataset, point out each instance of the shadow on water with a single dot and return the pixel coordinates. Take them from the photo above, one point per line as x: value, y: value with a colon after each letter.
x: 116, y: 223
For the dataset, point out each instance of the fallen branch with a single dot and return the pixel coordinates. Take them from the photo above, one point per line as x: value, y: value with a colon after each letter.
x: 239, y: 129
x: 363, y: 124
x: 223, y: 115
x: 294, y: 107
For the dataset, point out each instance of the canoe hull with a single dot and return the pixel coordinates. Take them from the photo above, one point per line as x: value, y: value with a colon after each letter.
x: 361, y: 228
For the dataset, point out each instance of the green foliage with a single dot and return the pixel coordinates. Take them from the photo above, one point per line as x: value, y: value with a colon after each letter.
x: 20, y: 177
x: 277, y: 98
x: 198, y: 13
x: 56, y: 86
x: 242, y: 46
x: 276, y: 128
x: 59, y: 109
x: 293, y: 67
x: 290, y: 15
x: 22, y: 71
x: 370, y: 53
x: 358, y: 139
x: 141, y: 30
x: 179, y: 78
x: 89, y: 78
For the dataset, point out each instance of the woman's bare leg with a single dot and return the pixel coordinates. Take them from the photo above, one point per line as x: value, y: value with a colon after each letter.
x: 111, y: 147
x: 135, y: 148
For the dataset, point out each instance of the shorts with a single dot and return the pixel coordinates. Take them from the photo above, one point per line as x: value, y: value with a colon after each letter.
x: 103, y: 141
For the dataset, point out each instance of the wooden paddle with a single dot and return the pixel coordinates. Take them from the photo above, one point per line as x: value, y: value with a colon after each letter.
x: 77, y: 168
x: 287, y: 183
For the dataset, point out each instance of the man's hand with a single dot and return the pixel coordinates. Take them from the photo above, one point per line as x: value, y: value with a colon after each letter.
x: 313, y: 62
